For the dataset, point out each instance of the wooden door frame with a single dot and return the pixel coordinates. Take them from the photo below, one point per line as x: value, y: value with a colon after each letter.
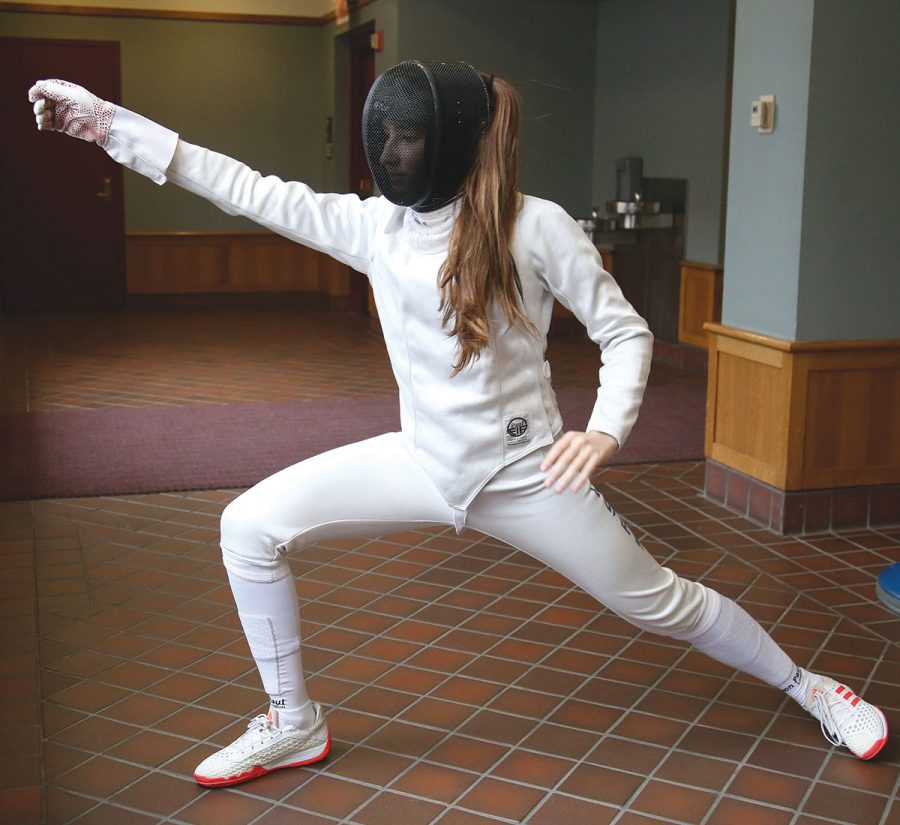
x: 357, y: 42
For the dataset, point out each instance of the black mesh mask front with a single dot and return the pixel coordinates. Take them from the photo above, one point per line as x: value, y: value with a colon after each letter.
x: 421, y: 125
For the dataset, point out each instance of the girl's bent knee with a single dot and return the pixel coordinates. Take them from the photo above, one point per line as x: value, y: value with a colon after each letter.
x: 255, y: 570
x: 248, y: 549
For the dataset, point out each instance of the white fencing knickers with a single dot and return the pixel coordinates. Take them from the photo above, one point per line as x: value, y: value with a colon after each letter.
x: 376, y: 487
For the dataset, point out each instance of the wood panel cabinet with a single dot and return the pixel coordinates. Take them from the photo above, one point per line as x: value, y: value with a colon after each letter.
x: 649, y: 273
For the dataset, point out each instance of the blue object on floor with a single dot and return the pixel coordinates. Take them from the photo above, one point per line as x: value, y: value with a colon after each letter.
x: 888, y: 588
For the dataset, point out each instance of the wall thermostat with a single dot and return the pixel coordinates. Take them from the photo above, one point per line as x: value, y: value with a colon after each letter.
x: 762, y: 113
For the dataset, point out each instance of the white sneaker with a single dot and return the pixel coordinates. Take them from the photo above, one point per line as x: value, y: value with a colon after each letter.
x: 263, y: 748
x: 847, y: 719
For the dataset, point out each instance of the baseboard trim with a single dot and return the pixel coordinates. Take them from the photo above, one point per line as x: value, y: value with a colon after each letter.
x: 795, y: 512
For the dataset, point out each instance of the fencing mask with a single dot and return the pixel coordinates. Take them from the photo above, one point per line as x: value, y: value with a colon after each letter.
x: 421, y: 126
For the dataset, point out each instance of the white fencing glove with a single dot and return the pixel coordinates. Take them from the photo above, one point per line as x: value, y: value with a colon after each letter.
x: 60, y: 106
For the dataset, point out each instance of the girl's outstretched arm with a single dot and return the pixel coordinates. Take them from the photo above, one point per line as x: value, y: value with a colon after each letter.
x: 342, y: 226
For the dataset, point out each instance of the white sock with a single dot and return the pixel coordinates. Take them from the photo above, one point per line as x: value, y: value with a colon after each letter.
x: 736, y: 639
x: 799, y: 687
x: 298, y: 717
x: 269, y: 615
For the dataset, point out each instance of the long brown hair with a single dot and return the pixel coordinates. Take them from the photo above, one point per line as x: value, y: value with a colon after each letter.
x: 479, y: 268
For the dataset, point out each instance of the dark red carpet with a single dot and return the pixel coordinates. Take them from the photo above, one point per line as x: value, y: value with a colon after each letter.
x: 114, y: 451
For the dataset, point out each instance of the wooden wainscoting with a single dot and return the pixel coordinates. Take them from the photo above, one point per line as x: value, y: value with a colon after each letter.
x: 176, y: 263
x: 700, y: 301
x: 804, y: 416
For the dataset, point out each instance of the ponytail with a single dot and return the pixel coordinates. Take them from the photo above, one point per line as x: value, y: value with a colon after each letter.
x: 479, y: 268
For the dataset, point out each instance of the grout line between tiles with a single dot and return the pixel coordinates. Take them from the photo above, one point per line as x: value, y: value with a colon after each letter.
x: 892, y: 802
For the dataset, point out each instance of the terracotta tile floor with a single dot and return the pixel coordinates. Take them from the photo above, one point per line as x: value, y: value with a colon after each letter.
x: 464, y: 682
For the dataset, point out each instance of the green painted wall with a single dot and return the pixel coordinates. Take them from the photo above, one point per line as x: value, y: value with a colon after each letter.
x: 849, y: 271
x: 251, y: 91
x: 262, y: 94
x: 772, y: 51
x: 546, y: 48
x: 811, y: 250
x: 662, y: 94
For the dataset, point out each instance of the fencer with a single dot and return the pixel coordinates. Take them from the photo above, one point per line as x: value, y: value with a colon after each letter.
x: 465, y: 270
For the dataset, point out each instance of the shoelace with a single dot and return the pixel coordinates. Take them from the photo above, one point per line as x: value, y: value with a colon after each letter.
x: 831, y: 717
x: 258, y: 730
x: 263, y: 723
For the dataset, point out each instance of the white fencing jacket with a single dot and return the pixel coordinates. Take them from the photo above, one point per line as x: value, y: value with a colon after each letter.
x: 463, y: 429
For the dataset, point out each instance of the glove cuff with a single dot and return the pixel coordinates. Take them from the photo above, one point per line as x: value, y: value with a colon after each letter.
x: 104, y: 113
x: 140, y: 144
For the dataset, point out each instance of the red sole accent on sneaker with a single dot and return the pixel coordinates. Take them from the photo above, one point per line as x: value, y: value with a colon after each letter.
x: 258, y: 770
x: 873, y: 751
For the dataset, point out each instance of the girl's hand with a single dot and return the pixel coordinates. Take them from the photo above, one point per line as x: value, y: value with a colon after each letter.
x: 575, y: 456
x: 60, y: 106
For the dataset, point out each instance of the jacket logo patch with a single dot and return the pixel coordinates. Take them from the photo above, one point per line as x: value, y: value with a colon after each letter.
x: 517, y: 430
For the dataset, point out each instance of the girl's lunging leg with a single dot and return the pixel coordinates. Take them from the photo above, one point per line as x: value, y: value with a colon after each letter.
x: 738, y: 640
x: 364, y: 490
x: 581, y: 536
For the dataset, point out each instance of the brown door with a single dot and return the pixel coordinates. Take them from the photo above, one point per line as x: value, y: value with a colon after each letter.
x: 62, y: 227
x: 362, y: 76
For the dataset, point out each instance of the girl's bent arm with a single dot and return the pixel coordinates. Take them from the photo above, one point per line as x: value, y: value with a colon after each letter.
x: 571, y: 268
